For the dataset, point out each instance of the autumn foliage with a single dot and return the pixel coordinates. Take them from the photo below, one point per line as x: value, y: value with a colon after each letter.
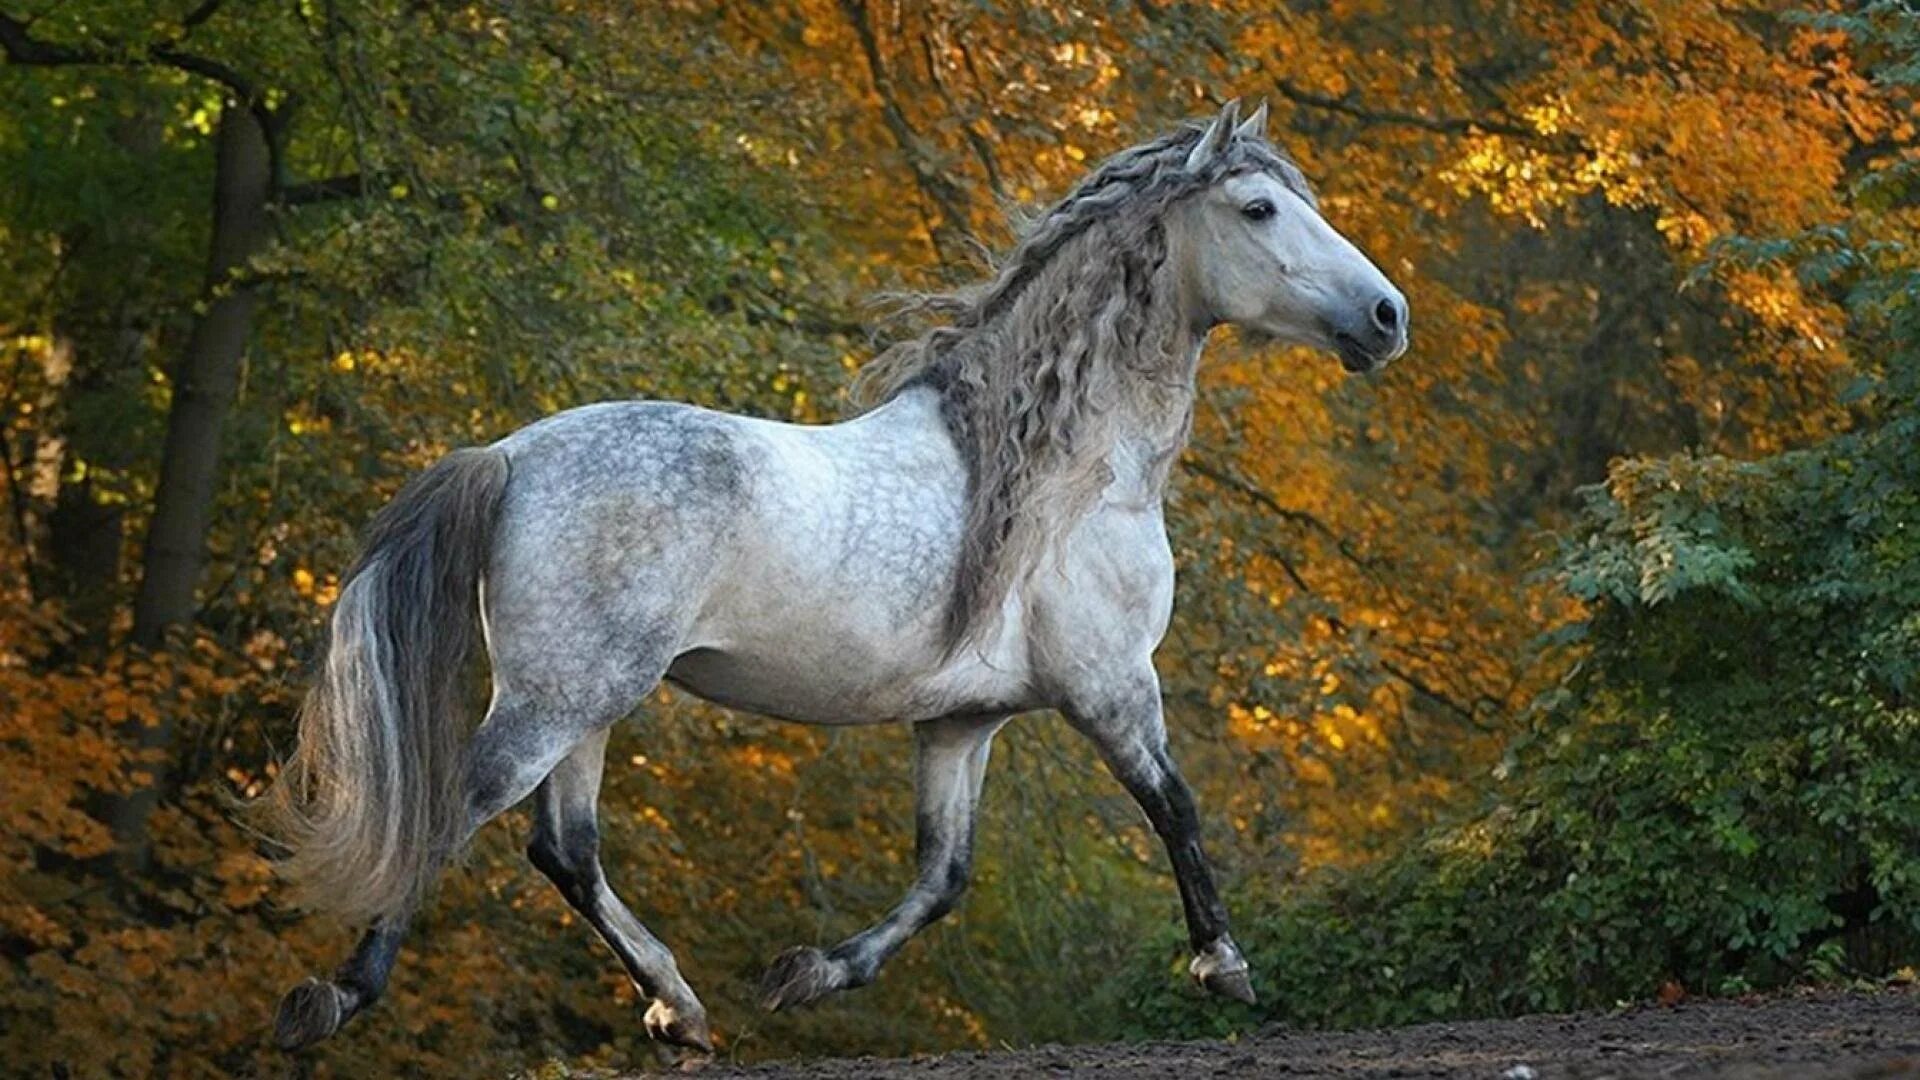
x: 261, y: 265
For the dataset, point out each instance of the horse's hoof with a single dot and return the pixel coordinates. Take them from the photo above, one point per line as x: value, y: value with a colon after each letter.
x: 796, y: 977
x: 1220, y: 969
x: 1229, y: 984
x: 688, y: 1030
x: 310, y: 1012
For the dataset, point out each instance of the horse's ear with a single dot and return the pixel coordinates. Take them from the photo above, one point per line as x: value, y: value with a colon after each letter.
x: 1255, y: 126
x: 1216, y: 137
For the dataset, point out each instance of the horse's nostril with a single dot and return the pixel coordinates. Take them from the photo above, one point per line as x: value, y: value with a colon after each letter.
x: 1386, y: 314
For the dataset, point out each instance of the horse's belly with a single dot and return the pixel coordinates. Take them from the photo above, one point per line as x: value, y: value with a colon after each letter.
x: 830, y: 680
x: 827, y: 632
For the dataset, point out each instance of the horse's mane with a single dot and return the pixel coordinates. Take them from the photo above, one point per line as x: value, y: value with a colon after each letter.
x: 1035, y: 366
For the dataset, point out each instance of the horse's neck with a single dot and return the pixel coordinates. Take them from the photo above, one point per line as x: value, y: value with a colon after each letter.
x: 1151, y: 435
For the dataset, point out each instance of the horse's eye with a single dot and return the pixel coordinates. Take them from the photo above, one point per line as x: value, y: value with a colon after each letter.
x: 1258, y: 210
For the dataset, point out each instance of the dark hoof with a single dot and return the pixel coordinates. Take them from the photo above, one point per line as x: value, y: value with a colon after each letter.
x: 675, y: 1028
x: 796, y: 977
x: 1230, y: 984
x: 310, y: 1012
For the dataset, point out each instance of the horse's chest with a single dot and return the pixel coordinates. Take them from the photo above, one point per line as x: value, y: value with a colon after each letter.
x: 1113, y: 591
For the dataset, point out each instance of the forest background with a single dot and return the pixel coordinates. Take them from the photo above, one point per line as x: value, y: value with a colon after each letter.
x: 1571, y: 661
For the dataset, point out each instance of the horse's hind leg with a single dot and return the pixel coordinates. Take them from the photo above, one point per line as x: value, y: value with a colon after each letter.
x: 316, y: 1008
x: 566, y: 848
x: 514, y: 749
x: 950, y: 761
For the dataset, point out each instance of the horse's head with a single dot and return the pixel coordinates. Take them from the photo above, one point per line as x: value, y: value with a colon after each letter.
x: 1252, y: 250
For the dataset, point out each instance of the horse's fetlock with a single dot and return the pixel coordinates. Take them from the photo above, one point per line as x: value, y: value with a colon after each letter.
x: 853, y: 968
x: 1221, y: 956
x: 357, y: 994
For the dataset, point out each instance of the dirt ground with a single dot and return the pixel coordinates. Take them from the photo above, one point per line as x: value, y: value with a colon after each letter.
x: 1823, y: 1036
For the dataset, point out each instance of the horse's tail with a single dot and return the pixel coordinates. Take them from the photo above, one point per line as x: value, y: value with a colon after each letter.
x: 372, y: 802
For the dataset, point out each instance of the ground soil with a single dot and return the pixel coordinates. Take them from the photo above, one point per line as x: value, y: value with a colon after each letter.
x: 1820, y: 1036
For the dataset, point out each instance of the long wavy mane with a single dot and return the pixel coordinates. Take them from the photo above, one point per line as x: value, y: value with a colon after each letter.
x: 1038, y: 367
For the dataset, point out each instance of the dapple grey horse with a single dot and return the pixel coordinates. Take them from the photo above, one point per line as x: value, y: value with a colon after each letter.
x: 987, y: 539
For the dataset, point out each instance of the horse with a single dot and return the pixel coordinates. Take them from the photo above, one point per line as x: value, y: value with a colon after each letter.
x: 986, y: 539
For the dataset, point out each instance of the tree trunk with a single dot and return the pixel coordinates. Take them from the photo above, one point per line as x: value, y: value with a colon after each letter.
x: 86, y: 534
x: 204, y: 385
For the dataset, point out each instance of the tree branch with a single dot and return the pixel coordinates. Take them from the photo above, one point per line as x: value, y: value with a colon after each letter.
x: 200, y: 14
x: 330, y: 189
x: 22, y: 48
x: 1466, y: 713
x: 243, y: 88
x: 947, y: 196
x: 1346, y: 105
x: 982, y: 151
x: 1252, y: 492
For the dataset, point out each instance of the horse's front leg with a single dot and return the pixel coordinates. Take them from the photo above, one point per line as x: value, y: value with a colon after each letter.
x: 950, y: 760
x: 1126, y: 724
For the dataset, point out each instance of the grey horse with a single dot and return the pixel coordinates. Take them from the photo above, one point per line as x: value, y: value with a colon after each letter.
x: 986, y: 539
